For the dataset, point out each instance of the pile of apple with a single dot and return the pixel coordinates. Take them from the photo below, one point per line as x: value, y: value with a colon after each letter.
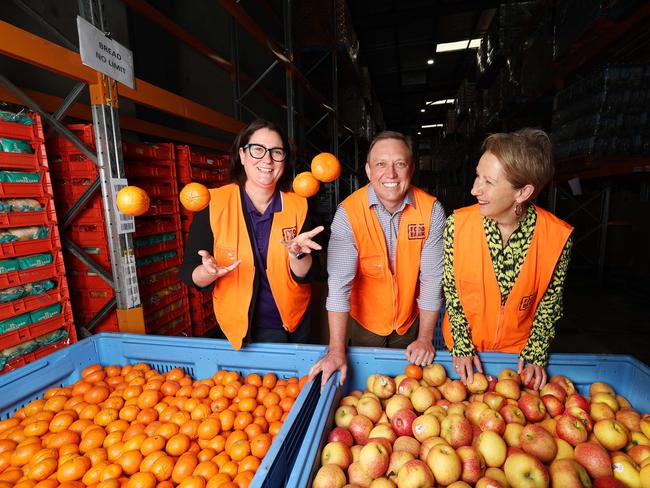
x: 423, y: 429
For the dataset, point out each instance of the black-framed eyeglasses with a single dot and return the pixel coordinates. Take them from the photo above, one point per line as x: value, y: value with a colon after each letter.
x: 258, y: 151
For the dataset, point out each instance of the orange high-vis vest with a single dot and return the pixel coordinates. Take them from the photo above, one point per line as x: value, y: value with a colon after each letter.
x: 383, y: 301
x: 496, y: 327
x: 233, y: 292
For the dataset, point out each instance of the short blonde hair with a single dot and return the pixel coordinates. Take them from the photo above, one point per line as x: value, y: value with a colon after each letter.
x: 526, y: 156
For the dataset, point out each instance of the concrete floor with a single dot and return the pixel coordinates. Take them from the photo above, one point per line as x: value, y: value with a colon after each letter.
x: 610, y: 318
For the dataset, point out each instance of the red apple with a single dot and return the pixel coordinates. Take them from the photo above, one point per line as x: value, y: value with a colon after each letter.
x: 349, y: 400
x: 428, y: 444
x: 492, y: 382
x: 564, y: 382
x: 582, y: 416
x: 473, y: 466
x: 492, y: 447
x: 571, y: 430
x: 383, y: 386
x: 456, y: 430
x: 422, y: 398
x: 434, y: 374
x: 508, y: 388
x: 532, y: 406
x: 336, y: 453
x: 512, y: 435
x: 612, y: 434
x: 370, y: 407
x: 341, y: 434
x: 553, y: 405
x: 402, y: 421
x: 512, y: 414
x: 383, y: 431
x: 358, y: 476
x: 576, y: 400
x: 594, y: 458
x: 407, y: 386
x: 601, y: 411
x: 444, y: 464
x: 360, y: 427
x: 537, y: 442
x: 344, y: 414
x: 494, y: 400
x: 630, y: 418
x: 492, y: 420
x: 415, y: 474
x: 474, y: 410
x: 510, y: 374
x: 555, y: 390
x: 608, y: 482
x: 568, y: 473
x: 479, y: 383
x: 408, y: 444
x: 395, y: 403
x: 397, y: 460
x: 374, y: 458
x: 425, y: 426
x: 639, y: 453
x: 454, y: 391
x: 329, y: 476
x: 487, y: 482
x: 525, y: 470
x: 601, y: 387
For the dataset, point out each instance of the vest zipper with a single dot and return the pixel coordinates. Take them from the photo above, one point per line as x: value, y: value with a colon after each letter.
x: 392, y: 277
x: 499, y: 331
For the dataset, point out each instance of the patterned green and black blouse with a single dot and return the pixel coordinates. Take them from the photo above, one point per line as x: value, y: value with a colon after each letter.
x: 507, y: 261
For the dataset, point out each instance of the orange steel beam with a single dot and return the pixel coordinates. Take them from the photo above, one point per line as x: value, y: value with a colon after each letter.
x: 25, y: 46
x: 146, y: 10
x: 258, y: 34
x: 83, y: 112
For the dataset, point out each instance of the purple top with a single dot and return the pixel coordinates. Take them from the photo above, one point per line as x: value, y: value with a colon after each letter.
x: 266, y: 314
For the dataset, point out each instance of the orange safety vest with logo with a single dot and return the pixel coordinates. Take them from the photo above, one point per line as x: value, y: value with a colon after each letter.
x: 383, y: 301
x: 496, y: 327
x: 233, y: 292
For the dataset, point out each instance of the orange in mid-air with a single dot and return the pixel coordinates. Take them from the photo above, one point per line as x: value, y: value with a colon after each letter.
x: 195, y: 197
x: 132, y: 200
x: 305, y: 185
x: 325, y: 167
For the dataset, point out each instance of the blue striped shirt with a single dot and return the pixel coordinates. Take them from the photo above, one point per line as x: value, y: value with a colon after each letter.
x: 342, y: 254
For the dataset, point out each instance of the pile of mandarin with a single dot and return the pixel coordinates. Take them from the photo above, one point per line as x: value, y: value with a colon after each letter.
x: 134, y: 427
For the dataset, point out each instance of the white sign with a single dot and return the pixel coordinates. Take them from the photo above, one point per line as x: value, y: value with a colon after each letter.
x: 103, y: 54
x: 125, y: 223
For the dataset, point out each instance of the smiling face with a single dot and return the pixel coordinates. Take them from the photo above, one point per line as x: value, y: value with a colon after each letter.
x: 496, y: 196
x: 390, y: 170
x: 262, y: 173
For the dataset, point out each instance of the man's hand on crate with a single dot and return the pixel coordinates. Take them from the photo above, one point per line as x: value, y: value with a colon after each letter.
x: 330, y: 363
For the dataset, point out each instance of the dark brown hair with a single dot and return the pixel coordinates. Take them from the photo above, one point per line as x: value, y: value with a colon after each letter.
x: 237, y: 173
x: 389, y: 134
x: 526, y: 156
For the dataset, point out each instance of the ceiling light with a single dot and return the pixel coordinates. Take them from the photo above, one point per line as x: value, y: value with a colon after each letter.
x: 422, y: 110
x: 431, y: 126
x: 442, y: 102
x: 430, y: 61
x: 419, y: 133
x: 458, y: 45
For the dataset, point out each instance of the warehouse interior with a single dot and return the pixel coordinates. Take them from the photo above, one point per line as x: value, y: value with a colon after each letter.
x: 333, y: 74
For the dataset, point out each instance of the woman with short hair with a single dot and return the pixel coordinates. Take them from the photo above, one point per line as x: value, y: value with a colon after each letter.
x: 505, y: 260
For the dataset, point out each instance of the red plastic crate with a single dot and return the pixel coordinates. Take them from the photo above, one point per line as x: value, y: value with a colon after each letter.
x: 150, y: 307
x: 32, y: 246
x: 140, y: 151
x: 175, y: 244
x: 59, y: 144
x: 79, y: 278
x: 181, y: 312
x: 148, y: 227
x: 19, y: 161
x: 13, y: 130
x: 155, y: 267
x: 91, y: 300
x: 25, y: 219
x: 183, y: 329
x: 149, y: 288
x: 87, y: 235
x: 30, y: 303
x: 206, y: 325
x: 28, y: 190
x: 161, y: 206
x: 158, y: 188
x: 21, y: 277
x: 72, y: 166
x: 164, y: 169
x: 37, y: 354
x: 15, y: 337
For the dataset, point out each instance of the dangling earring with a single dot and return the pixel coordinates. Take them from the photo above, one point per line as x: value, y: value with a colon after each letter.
x: 519, y: 210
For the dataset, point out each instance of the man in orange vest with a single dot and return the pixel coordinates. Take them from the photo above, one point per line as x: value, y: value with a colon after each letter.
x: 384, y: 262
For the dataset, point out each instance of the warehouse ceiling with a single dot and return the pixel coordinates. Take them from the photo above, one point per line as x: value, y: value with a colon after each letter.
x: 397, y: 37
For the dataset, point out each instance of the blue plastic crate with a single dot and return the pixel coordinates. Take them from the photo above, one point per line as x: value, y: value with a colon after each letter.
x: 200, y: 358
x: 628, y: 376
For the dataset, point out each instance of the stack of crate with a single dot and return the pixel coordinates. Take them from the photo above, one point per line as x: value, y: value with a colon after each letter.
x: 211, y: 171
x: 157, y: 241
x: 35, y: 311
x: 72, y: 173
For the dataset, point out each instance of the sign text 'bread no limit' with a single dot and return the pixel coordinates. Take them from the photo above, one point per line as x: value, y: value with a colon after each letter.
x: 104, y: 54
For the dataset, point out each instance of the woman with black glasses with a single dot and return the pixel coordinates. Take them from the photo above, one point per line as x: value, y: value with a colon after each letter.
x: 253, y: 244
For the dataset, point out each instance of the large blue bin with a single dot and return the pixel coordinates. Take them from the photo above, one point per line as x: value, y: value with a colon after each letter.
x: 627, y: 375
x: 200, y: 358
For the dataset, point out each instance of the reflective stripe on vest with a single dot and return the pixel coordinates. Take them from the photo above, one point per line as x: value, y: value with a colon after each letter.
x: 233, y: 292
x: 496, y: 327
x: 382, y: 301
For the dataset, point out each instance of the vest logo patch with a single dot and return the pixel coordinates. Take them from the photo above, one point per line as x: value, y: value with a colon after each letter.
x: 527, y: 302
x: 289, y: 233
x: 416, y: 231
